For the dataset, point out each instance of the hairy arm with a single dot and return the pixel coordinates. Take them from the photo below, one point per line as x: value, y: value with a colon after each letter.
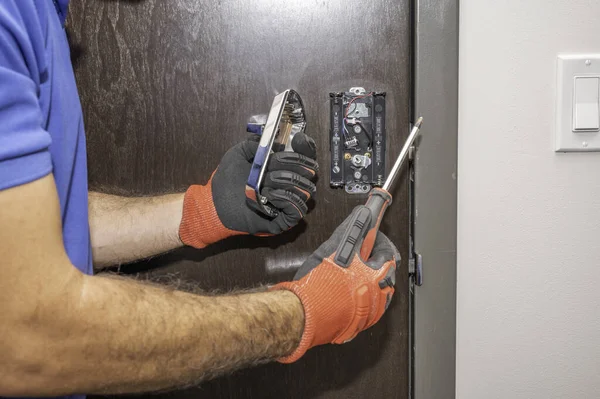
x: 63, y: 332
x: 125, y: 229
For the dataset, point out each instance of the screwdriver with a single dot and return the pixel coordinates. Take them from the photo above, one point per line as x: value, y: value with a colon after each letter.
x: 380, y: 198
x: 367, y: 221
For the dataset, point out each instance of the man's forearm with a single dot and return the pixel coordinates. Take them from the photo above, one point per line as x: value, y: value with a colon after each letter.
x: 63, y: 332
x: 123, y: 337
x: 125, y: 229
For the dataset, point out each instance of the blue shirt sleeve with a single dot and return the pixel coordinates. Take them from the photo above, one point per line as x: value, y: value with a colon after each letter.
x: 24, y: 143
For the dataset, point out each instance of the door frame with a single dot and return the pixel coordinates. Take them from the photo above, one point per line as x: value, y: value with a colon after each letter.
x: 434, y: 200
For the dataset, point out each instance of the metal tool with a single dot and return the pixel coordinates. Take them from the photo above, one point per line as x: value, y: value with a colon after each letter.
x: 286, y: 118
x: 403, y: 154
x: 362, y: 231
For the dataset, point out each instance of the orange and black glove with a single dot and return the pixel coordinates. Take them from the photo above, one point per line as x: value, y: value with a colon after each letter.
x: 341, y: 293
x: 220, y: 208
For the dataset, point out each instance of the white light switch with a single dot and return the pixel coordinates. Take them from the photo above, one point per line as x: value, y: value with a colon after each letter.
x: 578, y: 103
x: 586, y: 116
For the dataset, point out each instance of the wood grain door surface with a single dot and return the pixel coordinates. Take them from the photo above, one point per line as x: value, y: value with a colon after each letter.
x: 167, y: 87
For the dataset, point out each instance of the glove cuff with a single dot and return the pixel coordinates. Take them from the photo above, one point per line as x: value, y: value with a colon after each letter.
x: 200, y: 224
x: 308, y: 334
x: 327, y: 303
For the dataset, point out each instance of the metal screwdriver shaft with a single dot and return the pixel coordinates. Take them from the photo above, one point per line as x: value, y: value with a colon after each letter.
x: 403, y: 154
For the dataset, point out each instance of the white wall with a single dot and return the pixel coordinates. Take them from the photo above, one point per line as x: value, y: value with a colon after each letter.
x: 529, y: 219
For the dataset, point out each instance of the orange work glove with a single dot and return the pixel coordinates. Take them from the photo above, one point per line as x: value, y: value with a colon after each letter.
x: 220, y: 208
x: 341, y: 300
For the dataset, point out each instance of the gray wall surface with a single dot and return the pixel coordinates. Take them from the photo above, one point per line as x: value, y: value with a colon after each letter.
x: 529, y: 219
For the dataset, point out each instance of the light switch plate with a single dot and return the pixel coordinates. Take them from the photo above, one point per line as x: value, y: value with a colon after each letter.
x: 571, y: 67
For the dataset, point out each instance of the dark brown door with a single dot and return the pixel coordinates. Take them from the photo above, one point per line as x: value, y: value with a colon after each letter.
x: 167, y: 87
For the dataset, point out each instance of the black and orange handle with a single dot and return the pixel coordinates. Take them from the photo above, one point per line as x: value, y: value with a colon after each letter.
x: 378, y: 202
x: 361, y: 232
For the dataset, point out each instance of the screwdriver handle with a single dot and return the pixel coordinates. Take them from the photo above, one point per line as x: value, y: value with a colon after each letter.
x: 378, y: 202
x: 359, y: 237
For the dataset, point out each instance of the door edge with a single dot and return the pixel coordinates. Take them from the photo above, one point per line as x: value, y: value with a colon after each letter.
x: 434, y: 196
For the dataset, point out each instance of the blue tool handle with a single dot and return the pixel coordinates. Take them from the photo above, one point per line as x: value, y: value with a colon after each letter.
x: 255, y: 128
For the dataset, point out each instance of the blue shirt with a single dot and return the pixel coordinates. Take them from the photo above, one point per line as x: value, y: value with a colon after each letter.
x: 41, y: 123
